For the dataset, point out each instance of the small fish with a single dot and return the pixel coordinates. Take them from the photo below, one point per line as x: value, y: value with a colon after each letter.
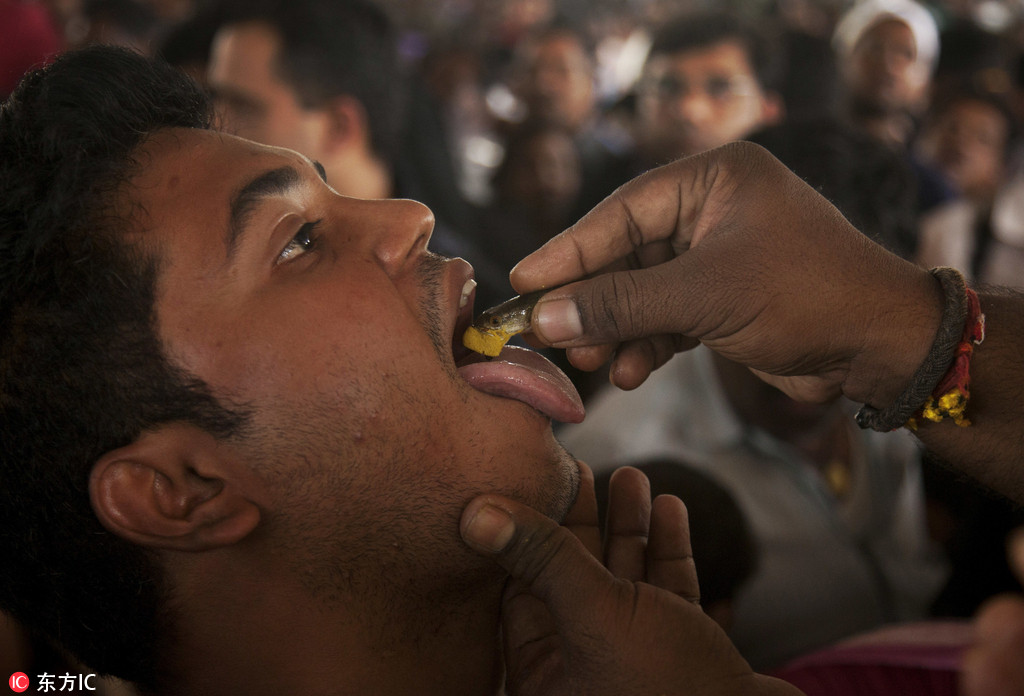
x: 490, y: 331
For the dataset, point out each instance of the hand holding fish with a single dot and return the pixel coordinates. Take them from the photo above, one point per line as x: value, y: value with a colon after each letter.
x: 731, y: 249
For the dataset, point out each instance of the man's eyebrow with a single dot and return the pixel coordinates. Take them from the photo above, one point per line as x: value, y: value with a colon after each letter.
x: 275, y: 182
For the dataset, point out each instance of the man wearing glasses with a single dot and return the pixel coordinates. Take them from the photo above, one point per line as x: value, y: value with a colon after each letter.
x: 707, y: 81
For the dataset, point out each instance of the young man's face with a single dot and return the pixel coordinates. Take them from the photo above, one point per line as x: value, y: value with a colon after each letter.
x: 327, y: 318
x: 697, y: 100
x: 252, y: 99
x: 558, y: 83
x: 967, y: 141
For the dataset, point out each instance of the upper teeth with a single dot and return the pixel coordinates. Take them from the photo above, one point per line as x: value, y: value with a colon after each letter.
x: 467, y: 290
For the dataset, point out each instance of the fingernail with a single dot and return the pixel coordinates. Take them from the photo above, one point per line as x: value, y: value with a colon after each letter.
x: 557, y: 320
x: 491, y: 528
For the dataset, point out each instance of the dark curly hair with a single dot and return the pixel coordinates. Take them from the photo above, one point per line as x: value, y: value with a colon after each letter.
x: 82, y: 370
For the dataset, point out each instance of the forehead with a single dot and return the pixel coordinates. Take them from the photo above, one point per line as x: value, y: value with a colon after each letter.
x: 244, y: 53
x: 890, y: 30
x: 728, y: 58
x: 187, y: 179
x: 976, y: 112
x: 562, y: 46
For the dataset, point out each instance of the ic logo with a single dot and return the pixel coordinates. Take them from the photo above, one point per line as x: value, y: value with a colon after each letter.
x: 19, y: 682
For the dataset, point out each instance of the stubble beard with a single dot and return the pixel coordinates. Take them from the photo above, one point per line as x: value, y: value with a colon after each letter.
x: 383, y: 534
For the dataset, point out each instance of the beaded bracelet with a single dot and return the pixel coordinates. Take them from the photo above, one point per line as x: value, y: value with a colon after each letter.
x: 940, y: 386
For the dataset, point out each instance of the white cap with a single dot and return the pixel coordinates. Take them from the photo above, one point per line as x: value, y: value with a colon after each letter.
x: 865, y: 14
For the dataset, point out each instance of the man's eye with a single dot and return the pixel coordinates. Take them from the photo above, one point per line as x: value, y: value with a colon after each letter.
x: 671, y: 87
x: 719, y: 88
x: 304, y: 240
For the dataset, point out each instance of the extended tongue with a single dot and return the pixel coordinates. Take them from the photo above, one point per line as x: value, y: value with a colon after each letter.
x: 527, y: 376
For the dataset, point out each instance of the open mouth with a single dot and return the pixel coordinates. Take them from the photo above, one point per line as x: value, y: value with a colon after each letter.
x: 516, y: 373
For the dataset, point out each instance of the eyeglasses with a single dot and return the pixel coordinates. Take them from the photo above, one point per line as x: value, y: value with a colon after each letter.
x: 716, y: 88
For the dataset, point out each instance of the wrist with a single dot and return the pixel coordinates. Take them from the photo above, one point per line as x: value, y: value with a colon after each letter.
x: 897, y: 341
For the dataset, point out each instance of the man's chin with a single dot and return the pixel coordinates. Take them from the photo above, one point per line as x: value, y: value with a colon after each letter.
x: 569, y: 491
x: 540, y: 474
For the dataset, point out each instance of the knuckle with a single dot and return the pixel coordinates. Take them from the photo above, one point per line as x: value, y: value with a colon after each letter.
x: 535, y: 552
x: 621, y: 306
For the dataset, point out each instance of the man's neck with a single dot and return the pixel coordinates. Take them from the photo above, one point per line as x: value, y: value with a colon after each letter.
x: 263, y: 636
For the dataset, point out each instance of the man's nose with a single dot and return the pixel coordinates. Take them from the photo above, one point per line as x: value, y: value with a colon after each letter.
x: 693, y: 106
x: 398, y: 231
x: 894, y: 61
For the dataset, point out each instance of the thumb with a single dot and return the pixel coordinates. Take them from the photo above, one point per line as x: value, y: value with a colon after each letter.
x: 547, y: 558
x: 614, y: 307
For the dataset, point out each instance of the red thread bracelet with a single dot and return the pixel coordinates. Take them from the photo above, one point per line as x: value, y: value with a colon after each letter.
x: 953, y: 391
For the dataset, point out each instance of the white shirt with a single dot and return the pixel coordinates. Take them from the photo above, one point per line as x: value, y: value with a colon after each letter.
x: 947, y: 237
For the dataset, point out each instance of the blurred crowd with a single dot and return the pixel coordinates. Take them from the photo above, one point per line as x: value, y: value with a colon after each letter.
x: 512, y: 118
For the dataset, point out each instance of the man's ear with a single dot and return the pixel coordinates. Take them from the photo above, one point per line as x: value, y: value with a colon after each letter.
x: 173, y: 488
x: 346, y: 125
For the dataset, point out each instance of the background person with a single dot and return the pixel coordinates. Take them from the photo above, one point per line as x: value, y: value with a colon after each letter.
x: 553, y: 74
x: 709, y: 79
x: 324, y: 79
x: 970, y: 137
x: 887, y: 51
